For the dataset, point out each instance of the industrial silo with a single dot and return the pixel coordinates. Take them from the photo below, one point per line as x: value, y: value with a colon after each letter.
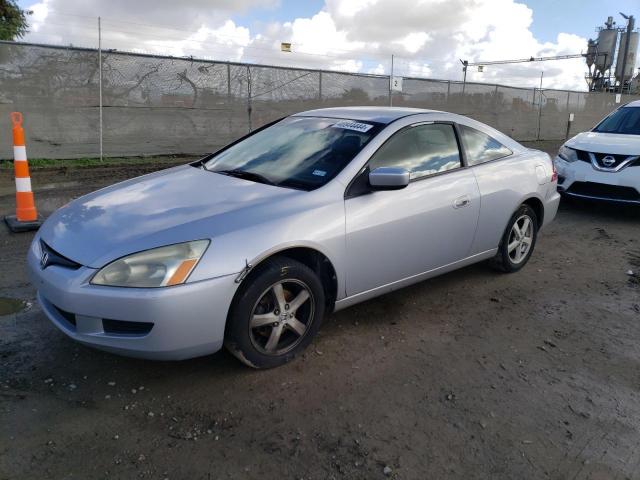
x: 606, y: 48
x: 632, y: 54
x: 592, y: 49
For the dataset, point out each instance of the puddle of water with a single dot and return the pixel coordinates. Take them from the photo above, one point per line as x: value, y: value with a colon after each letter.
x: 10, y: 305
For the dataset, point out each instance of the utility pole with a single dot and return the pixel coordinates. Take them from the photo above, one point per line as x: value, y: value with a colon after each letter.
x: 100, y: 80
x: 631, y: 24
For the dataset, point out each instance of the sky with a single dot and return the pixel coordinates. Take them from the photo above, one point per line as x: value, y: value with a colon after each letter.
x: 426, y: 37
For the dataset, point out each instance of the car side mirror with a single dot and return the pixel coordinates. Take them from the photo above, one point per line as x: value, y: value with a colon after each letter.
x: 388, y: 178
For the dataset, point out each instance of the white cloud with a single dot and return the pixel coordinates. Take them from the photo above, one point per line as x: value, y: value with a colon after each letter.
x: 186, y: 14
x: 413, y: 42
x: 188, y: 28
x: 377, y: 70
x: 228, y: 38
x: 428, y: 37
x: 39, y: 12
x: 318, y: 35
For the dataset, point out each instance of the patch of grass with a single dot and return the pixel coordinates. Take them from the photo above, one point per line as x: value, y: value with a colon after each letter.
x: 10, y: 305
x: 36, y: 163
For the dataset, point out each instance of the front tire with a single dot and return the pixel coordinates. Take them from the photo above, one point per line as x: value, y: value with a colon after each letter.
x: 276, y: 313
x: 518, y: 241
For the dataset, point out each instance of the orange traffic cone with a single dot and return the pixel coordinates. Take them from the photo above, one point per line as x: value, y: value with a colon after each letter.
x: 26, y: 217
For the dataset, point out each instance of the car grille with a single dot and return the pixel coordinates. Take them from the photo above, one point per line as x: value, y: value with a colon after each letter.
x: 120, y: 327
x: 584, y: 156
x: 605, y: 192
x: 111, y: 327
x: 599, y: 159
x: 68, y: 316
x: 50, y: 257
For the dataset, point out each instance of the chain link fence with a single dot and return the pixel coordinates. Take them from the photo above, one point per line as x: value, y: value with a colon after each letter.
x: 165, y: 105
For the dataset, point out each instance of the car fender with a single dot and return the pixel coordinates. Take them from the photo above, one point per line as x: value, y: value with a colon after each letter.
x: 287, y: 246
x: 320, y: 228
x: 499, y: 203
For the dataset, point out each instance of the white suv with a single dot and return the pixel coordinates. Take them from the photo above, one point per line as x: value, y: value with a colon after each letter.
x: 604, y: 164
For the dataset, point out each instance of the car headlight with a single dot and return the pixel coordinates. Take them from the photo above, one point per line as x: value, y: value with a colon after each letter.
x: 158, y: 267
x: 568, y: 154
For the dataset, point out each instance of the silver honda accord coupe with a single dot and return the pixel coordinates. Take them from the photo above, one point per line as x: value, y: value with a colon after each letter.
x: 253, y: 245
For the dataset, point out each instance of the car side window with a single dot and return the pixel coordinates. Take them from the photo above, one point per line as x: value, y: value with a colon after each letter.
x: 480, y: 147
x: 422, y: 150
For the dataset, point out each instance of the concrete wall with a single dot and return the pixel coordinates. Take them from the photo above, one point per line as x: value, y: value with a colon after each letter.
x: 164, y: 105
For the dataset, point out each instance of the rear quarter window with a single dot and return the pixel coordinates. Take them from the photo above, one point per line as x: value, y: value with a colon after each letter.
x: 480, y: 147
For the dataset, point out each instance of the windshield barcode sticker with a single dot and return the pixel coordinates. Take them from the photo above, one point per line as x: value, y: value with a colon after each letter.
x: 319, y: 173
x: 349, y: 125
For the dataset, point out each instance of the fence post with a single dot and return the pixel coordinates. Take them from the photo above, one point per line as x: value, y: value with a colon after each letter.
x: 448, y: 90
x: 249, y: 96
x: 320, y: 86
x: 539, y: 112
x: 229, y: 109
x: 533, y: 102
x: 391, y: 80
x: 569, y: 119
x: 100, y: 81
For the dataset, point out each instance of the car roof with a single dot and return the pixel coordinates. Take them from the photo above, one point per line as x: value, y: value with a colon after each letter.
x: 383, y: 115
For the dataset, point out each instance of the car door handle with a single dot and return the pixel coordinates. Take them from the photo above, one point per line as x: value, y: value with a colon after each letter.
x: 461, y: 201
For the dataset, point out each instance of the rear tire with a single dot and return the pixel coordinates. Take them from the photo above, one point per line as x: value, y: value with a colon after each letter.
x: 518, y: 241
x: 276, y: 314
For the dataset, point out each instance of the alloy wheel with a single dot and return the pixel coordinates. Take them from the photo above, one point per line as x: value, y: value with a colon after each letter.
x: 520, y: 239
x: 281, y: 317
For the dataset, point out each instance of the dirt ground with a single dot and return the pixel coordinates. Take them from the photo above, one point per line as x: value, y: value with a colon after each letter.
x: 472, y: 375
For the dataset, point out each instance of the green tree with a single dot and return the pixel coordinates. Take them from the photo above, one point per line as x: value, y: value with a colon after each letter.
x: 13, y: 20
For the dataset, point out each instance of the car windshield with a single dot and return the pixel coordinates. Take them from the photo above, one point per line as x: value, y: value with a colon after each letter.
x: 297, y: 152
x: 624, y: 120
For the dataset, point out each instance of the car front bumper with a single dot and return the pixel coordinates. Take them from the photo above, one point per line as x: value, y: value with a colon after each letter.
x: 579, y: 179
x: 171, y: 323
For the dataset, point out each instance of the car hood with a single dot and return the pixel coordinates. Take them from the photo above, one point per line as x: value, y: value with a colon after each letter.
x: 171, y: 206
x: 614, y: 143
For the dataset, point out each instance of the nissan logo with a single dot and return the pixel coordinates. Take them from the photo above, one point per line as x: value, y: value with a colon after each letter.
x: 608, y: 161
x: 44, y: 260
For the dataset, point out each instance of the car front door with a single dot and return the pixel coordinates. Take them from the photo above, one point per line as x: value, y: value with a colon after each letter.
x: 394, y: 235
